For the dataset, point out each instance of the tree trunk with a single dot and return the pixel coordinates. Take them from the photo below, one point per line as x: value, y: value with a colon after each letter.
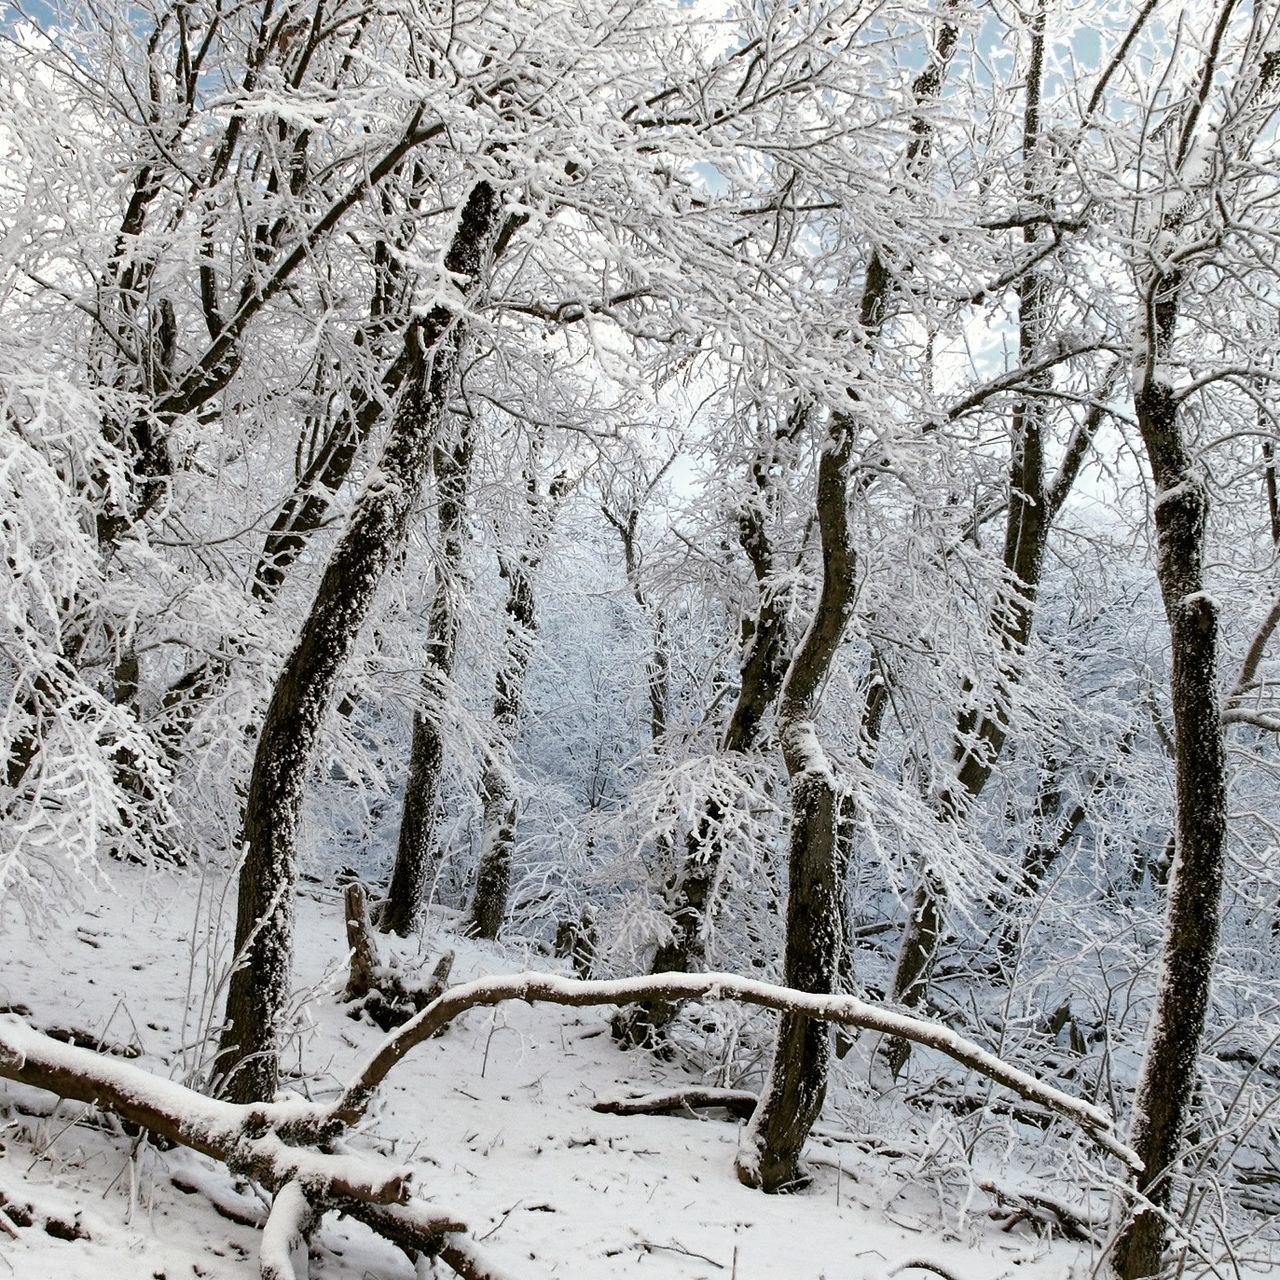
x: 259, y: 988
x: 797, y: 1080
x: 1169, y: 1069
x: 413, y: 871
x: 493, y: 876
x: 1167, y: 1081
x: 796, y: 1086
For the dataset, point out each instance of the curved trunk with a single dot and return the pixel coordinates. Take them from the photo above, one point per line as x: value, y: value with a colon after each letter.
x: 980, y: 730
x: 259, y: 989
x: 797, y: 1081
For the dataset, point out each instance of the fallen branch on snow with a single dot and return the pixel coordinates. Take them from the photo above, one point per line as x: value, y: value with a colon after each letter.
x: 255, y: 1141
x: 738, y: 1102
x: 842, y: 1010
x: 287, y: 1147
x: 1027, y: 1206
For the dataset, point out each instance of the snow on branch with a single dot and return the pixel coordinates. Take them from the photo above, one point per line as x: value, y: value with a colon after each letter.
x: 843, y: 1010
x: 255, y: 1141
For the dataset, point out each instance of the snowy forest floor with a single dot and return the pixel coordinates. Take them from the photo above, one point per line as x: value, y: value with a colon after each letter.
x: 495, y: 1116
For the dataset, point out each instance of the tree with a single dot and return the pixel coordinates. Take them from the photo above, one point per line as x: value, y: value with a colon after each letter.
x: 493, y: 875
x: 259, y: 986
x: 1182, y: 243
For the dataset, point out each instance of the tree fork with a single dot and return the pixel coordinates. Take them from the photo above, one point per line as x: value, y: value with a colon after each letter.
x: 259, y: 987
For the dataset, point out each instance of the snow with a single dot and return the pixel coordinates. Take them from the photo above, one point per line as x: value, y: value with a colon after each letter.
x: 493, y: 1117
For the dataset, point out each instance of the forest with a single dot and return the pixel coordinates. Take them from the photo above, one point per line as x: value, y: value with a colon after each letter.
x: 738, y: 538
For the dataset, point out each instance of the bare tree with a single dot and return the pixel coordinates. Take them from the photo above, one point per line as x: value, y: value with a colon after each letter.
x: 488, y: 908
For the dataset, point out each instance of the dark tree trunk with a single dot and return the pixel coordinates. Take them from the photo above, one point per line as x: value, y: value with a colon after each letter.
x: 1167, y: 1081
x: 259, y: 987
x: 413, y: 871
x: 797, y: 1081
x: 1169, y: 1069
x: 306, y: 508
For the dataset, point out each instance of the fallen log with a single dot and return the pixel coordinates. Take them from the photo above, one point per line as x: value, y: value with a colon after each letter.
x: 258, y: 1142
x: 739, y: 1103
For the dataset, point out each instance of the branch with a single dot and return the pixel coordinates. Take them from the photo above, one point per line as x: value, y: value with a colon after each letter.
x: 740, y: 1103
x: 844, y: 1010
x: 1268, y: 720
x: 249, y: 1140
x: 1081, y: 439
x: 1011, y: 379
x: 288, y: 1225
x: 1253, y: 659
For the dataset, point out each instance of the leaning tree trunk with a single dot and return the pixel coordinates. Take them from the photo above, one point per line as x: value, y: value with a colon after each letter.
x: 317, y: 485
x: 797, y: 1081
x: 412, y: 873
x: 493, y: 876
x: 259, y: 988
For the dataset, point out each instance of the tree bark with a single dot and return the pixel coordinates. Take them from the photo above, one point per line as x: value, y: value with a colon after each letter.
x: 1167, y: 1080
x: 797, y: 1081
x: 1169, y: 1068
x: 413, y: 870
x: 796, y: 1085
x: 259, y: 988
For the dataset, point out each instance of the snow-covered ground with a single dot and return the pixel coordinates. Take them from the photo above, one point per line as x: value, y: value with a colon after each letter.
x: 496, y: 1118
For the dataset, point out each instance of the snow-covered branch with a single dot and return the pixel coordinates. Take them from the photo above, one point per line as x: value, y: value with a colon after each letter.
x: 844, y: 1010
x: 254, y: 1141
